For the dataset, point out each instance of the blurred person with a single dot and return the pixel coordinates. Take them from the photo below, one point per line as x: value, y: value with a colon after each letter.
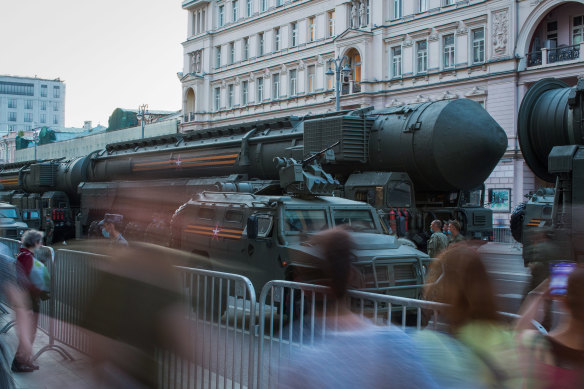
x: 10, y: 293
x: 28, y: 307
x: 134, y: 311
x: 49, y: 230
x: 438, y: 241
x: 554, y: 360
x: 356, y: 353
x: 110, y: 226
x: 455, y: 235
x: 446, y: 227
x: 478, y: 349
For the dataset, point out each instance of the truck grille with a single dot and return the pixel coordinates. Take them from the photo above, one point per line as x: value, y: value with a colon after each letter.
x: 10, y: 233
x: 389, y: 275
x: 479, y: 220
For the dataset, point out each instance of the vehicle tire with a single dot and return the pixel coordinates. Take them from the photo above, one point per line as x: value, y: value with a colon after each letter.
x: 516, y: 222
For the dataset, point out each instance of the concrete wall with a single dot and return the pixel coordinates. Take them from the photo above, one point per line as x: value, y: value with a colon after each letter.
x: 85, y: 145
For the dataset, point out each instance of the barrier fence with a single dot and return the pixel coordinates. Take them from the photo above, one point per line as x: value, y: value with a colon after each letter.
x: 503, y: 235
x: 237, y: 340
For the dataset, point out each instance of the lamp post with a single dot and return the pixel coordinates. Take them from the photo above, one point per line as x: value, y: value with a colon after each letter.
x: 35, y: 139
x: 142, y: 112
x: 341, y: 66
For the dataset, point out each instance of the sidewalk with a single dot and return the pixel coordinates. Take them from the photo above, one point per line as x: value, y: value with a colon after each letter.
x: 55, y: 372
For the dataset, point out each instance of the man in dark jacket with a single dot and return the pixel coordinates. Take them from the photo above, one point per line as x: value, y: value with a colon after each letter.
x: 31, y: 240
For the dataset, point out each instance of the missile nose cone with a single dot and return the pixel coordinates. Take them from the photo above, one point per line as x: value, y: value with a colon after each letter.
x: 468, y: 143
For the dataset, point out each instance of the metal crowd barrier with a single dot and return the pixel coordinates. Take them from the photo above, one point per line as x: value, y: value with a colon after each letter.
x: 502, y: 235
x: 221, y: 308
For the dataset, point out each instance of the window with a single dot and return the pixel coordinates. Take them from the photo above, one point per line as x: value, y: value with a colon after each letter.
x: 260, y: 44
x: 449, y: 2
x: 249, y: 8
x: 230, y: 89
x: 245, y: 48
x: 221, y: 15
x: 264, y: 5
x: 11, y: 116
x: 422, y: 5
x: 27, y: 128
x: 217, y: 98
x: 293, y: 34
x: 231, y: 53
x: 448, y: 42
x: 552, y: 34
x: 43, y: 105
x: 16, y: 88
x: 304, y: 221
x: 421, y: 56
x: 55, y: 120
x: 56, y: 106
x: 578, y: 30
x: 244, y: 92
x: 311, y: 71
x: 311, y: 29
x: 276, y: 86
x: 279, y: 3
x: 218, y: 56
x: 260, y: 89
x: 277, y: 39
x: 28, y: 104
x: 331, y: 23
x: 478, y: 45
x: 43, y: 118
x: 12, y: 103
x: 397, y: 9
x: 44, y: 90
x: 12, y: 128
x: 292, y: 83
x: 235, y: 10
x: 28, y: 117
x: 56, y: 92
x: 396, y: 61
x: 355, y: 219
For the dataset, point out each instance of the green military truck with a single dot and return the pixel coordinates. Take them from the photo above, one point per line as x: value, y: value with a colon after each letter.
x: 11, y: 224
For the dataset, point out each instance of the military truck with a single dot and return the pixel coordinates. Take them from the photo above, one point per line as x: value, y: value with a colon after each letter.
x: 551, y: 137
x: 11, y: 224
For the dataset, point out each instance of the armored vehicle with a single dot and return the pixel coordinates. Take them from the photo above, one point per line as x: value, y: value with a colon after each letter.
x: 11, y: 224
x: 551, y: 137
x: 413, y: 164
x: 266, y: 238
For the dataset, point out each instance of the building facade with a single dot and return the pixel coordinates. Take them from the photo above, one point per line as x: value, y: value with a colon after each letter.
x: 27, y: 103
x: 247, y: 60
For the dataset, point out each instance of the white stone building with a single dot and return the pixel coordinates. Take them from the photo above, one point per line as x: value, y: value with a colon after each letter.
x: 255, y: 59
x: 29, y: 102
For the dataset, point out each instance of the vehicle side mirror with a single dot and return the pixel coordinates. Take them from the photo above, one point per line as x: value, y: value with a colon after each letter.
x: 252, y: 227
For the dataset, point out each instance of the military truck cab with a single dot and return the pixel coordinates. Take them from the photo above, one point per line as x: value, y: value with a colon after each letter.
x: 11, y: 224
x: 268, y: 237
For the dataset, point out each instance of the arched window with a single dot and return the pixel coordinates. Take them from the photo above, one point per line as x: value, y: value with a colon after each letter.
x: 190, y: 105
x: 355, y: 65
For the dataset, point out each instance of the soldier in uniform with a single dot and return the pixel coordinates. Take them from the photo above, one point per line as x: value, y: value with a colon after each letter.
x: 110, y: 226
x: 455, y: 235
x: 49, y: 230
x: 438, y: 241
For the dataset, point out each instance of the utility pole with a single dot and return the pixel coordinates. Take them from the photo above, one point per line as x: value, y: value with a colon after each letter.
x: 339, y: 69
x: 142, y: 112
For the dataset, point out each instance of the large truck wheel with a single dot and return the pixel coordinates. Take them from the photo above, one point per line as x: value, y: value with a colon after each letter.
x: 516, y: 222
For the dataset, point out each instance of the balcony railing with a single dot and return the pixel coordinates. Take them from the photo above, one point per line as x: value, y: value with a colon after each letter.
x: 555, y: 55
x: 351, y: 87
x: 189, y: 117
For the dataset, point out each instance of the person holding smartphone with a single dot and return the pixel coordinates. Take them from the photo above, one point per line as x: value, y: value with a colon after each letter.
x: 555, y: 360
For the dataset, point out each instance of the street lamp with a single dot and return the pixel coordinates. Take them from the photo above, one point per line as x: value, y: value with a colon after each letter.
x: 142, y: 112
x: 35, y: 139
x: 341, y: 66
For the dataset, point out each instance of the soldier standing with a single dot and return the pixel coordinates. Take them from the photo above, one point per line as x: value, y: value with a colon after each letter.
x: 49, y: 230
x: 438, y: 241
x: 110, y: 226
x: 455, y: 235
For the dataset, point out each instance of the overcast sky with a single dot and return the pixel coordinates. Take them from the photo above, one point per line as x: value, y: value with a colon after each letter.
x: 110, y: 53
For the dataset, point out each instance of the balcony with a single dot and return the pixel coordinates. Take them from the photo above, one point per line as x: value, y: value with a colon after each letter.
x: 189, y: 117
x: 553, y: 56
x: 351, y: 87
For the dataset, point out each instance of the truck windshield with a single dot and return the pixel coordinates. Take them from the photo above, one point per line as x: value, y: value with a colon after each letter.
x: 305, y: 220
x: 399, y: 194
x: 471, y: 198
x: 356, y: 220
x: 8, y: 213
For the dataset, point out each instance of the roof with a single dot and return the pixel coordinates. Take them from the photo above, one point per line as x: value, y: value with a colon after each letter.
x: 6, y: 205
x: 32, y: 78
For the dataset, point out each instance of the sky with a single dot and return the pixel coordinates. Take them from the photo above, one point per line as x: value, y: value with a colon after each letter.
x: 110, y: 53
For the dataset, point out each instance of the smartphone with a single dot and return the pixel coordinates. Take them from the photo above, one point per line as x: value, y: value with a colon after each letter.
x: 559, y: 272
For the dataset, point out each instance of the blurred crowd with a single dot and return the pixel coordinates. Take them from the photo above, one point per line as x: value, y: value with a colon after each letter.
x: 136, y: 310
